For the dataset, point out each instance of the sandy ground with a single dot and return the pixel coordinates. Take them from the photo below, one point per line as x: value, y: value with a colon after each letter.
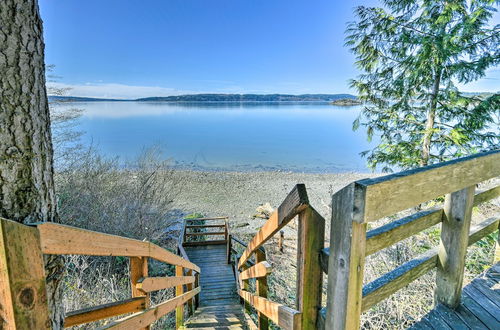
x: 238, y: 194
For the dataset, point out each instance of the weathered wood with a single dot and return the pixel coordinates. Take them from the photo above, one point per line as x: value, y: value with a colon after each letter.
x: 260, y: 269
x: 281, y: 239
x: 228, y: 248
x: 211, y: 242
x: 179, y: 291
x: 205, y: 219
x: 293, y: 204
x: 150, y: 284
x: 396, y: 192
x: 393, y: 232
x: 104, y: 311
x: 311, y: 235
x: 138, y: 271
x: 391, y: 282
x: 482, y: 229
x: 486, y: 195
x: 205, y: 226
x: 206, y: 233
x: 347, y: 257
x: 261, y: 290
x: 323, y: 259
x: 453, y: 246
x: 245, y: 285
x: 62, y: 239
x: 283, y: 316
x: 189, y: 287
x: 398, y: 278
x: 152, y: 314
x: 23, y: 299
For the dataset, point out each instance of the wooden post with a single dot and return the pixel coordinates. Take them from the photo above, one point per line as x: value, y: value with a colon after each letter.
x: 261, y: 290
x: 246, y: 287
x: 189, y: 287
x: 228, y: 249
x: 453, y: 246
x: 310, y: 241
x: 497, y: 248
x: 179, y: 290
x: 347, y: 259
x: 196, y: 285
x: 23, y: 299
x: 280, y: 240
x: 139, y: 270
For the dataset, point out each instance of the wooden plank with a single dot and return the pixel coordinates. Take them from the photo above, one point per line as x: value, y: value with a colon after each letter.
x: 453, y: 246
x: 294, y: 203
x: 396, y: 192
x: 205, y: 226
x: 206, y: 233
x: 179, y: 291
x: 391, y: 282
x: 486, y: 195
x: 346, y: 262
x: 283, y: 316
x: 23, y: 300
x: 201, y: 243
x: 261, y: 291
x: 104, y: 311
x: 393, y: 232
x: 150, y: 284
x: 311, y: 236
x: 455, y: 322
x: 483, y: 301
x: 152, y: 314
x: 486, y: 227
x: 189, y: 287
x: 62, y: 239
x: 479, y: 311
x: 205, y: 219
x: 260, y: 269
x: 470, y: 319
x: 138, y: 271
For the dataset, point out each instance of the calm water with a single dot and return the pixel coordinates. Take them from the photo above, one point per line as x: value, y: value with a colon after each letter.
x: 230, y: 136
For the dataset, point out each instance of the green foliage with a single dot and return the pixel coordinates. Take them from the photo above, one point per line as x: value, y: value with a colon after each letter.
x: 195, y: 215
x: 412, y: 54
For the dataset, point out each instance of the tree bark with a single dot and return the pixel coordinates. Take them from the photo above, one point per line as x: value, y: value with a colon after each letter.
x: 429, y: 124
x: 27, y: 191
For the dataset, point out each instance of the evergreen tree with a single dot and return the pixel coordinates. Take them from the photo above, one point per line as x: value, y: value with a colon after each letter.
x: 412, y: 55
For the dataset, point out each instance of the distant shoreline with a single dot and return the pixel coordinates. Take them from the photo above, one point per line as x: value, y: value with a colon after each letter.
x: 216, y: 98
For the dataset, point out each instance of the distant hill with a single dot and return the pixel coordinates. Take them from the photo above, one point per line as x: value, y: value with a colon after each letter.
x: 250, y: 98
x: 220, y: 98
x: 79, y: 99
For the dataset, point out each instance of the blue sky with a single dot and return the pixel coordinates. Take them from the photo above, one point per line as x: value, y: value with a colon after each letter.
x: 129, y: 49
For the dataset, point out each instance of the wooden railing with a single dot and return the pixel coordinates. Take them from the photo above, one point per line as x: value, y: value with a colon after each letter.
x: 368, y: 200
x: 22, y: 276
x: 205, y: 231
x: 309, y: 272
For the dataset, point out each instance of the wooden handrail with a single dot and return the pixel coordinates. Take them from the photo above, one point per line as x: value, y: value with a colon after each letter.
x: 105, y: 311
x: 150, y: 315
x: 150, y: 284
x: 260, y: 269
x: 204, y: 219
x: 293, y: 204
x: 62, y: 239
x: 396, y: 192
x: 395, y: 231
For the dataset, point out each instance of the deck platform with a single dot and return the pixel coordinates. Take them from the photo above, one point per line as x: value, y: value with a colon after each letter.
x: 480, y: 307
x: 219, y: 302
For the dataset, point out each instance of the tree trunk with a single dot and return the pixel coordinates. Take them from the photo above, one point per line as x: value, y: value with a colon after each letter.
x: 27, y: 191
x: 429, y: 124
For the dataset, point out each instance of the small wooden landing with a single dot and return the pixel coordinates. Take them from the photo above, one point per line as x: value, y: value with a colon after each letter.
x: 219, y: 303
x: 480, y: 307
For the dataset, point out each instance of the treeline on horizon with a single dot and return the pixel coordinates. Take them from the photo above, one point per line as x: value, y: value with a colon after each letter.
x: 220, y: 98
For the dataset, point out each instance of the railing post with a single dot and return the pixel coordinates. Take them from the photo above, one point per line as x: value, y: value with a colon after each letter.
x: 347, y: 259
x: 453, y: 246
x: 261, y: 290
x: 197, y: 284
x: 228, y: 249
x: 23, y: 299
x: 281, y: 240
x: 311, y: 235
x: 139, y: 270
x: 189, y: 287
x: 179, y: 290
x: 246, y: 287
